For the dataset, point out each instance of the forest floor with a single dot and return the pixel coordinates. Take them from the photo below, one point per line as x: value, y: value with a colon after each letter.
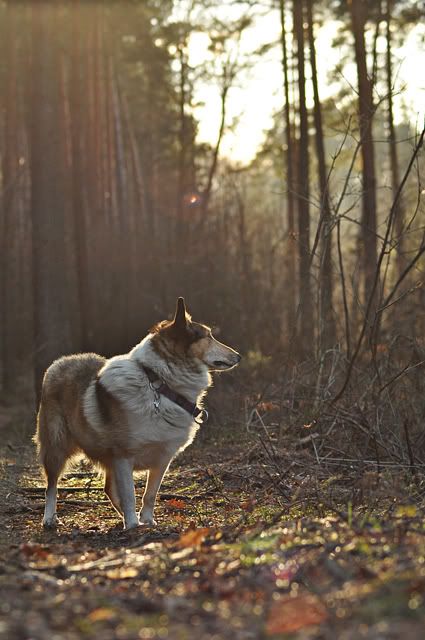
x: 238, y: 553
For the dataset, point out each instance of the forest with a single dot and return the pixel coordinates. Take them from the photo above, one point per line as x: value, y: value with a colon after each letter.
x: 264, y: 160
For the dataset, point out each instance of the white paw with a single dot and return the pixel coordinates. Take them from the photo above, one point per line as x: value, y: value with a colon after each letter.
x: 147, y: 521
x: 51, y: 523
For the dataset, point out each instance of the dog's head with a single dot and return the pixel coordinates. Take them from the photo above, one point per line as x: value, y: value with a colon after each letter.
x: 194, y: 341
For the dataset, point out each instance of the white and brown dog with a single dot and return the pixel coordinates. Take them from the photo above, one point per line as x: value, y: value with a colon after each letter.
x: 134, y: 411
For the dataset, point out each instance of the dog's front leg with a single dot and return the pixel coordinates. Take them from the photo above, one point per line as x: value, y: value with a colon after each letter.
x: 153, y: 483
x: 50, y: 518
x: 123, y: 471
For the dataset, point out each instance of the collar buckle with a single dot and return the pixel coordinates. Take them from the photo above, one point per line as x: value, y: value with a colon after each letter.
x: 202, y: 416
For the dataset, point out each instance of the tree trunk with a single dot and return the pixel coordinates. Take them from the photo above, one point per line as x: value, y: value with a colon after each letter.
x: 78, y: 203
x: 366, y: 111
x: 16, y: 344
x: 289, y: 156
x: 392, y: 139
x: 10, y: 171
x: 182, y: 166
x: 302, y: 188
x: 206, y: 195
x: 326, y: 317
x: 51, y: 286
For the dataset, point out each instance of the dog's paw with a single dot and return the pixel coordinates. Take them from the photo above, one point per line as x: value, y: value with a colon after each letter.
x: 147, y: 522
x: 51, y: 523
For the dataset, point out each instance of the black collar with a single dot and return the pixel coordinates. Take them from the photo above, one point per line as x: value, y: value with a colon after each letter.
x: 164, y: 390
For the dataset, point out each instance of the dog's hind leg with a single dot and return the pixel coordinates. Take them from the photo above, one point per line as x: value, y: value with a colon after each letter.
x: 111, y: 490
x: 54, y: 447
x: 50, y: 518
x: 123, y: 474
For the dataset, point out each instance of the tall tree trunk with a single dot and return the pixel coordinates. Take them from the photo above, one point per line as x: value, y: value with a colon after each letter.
x: 289, y: 156
x: 78, y: 203
x: 302, y: 187
x: 9, y: 231
x: 51, y: 286
x: 326, y: 316
x: 366, y: 111
x: 392, y: 139
x: 206, y: 196
x: 182, y: 166
x: 119, y: 186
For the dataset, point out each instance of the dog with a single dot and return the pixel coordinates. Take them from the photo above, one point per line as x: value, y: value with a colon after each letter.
x: 132, y: 412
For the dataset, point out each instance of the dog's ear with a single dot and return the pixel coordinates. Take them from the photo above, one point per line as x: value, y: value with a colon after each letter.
x: 180, y: 320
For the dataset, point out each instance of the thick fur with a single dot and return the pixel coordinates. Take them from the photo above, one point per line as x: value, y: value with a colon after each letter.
x: 105, y: 409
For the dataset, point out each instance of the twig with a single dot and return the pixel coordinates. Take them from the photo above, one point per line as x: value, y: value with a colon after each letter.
x: 409, y: 448
x: 377, y: 271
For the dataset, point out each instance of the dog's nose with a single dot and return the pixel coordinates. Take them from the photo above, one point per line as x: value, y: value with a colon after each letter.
x: 239, y: 357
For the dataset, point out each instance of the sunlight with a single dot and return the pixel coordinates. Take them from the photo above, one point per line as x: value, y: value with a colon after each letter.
x: 131, y: 214
x: 258, y: 93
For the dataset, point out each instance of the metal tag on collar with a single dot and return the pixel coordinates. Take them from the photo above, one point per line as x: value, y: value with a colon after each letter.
x: 156, y: 403
x: 156, y: 397
x: 202, y: 417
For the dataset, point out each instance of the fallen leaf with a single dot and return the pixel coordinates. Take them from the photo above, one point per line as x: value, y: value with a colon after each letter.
x: 292, y: 613
x: 103, y: 613
x: 267, y: 406
x: 248, y: 505
x: 33, y: 549
x: 178, y: 517
x: 193, y: 537
x: 122, y: 573
x: 176, y: 504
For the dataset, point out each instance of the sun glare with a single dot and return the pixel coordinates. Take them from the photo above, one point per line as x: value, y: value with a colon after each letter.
x: 258, y: 93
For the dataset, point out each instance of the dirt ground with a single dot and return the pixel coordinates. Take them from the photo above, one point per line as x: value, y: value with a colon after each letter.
x: 236, y: 554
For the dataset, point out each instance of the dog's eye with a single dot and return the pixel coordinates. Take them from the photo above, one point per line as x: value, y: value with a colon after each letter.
x: 199, y: 332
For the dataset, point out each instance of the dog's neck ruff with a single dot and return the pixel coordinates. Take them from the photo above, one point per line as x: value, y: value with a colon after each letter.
x: 164, y: 390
